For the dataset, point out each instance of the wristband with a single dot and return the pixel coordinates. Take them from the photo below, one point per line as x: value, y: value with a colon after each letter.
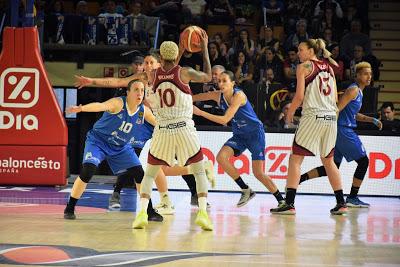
x: 375, y: 121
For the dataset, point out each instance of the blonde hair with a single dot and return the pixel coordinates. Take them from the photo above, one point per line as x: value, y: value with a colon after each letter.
x: 169, y: 50
x: 362, y: 65
x: 319, y: 47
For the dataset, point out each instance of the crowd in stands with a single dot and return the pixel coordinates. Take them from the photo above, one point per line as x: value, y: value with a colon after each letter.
x: 259, y: 44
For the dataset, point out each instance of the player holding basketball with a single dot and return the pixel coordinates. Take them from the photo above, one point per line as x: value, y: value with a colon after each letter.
x: 174, y: 134
x: 109, y: 139
x: 316, y: 90
x: 348, y: 144
x: 151, y: 62
x: 248, y: 133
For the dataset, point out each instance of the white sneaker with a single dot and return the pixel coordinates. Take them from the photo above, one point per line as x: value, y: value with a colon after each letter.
x: 209, y: 168
x: 165, y: 209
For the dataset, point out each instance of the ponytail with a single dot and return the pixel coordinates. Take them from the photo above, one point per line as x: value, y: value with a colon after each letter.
x: 320, y: 48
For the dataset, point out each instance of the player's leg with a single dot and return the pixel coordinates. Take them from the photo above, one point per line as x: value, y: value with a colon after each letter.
x: 165, y: 206
x: 234, y: 147
x: 146, y: 186
x: 295, y: 162
x: 87, y: 172
x: 356, y: 151
x: 256, y: 145
x: 336, y: 184
x: 93, y: 155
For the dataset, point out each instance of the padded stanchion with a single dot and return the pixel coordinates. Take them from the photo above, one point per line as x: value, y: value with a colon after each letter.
x: 32, y: 126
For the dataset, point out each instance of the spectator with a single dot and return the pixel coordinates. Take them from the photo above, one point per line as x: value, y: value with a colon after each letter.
x: 111, y: 10
x: 342, y: 63
x: 327, y: 20
x: 358, y: 56
x: 242, y: 68
x: 289, y: 68
x: 244, y: 42
x: 137, y: 64
x: 138, y: 21
x: 273, y: 12
x: 215, y: 58
x: 295, y: 10
x: 301, y: 35
x: 387, y: 117
x: 267, y: 88
x: 82, y: 9
x: 216, y: 70
x: 266, y: 39
x: 350, y: 15
x: 219, y: 12
x: 355, y: 37
x: 331, y: 4
x: 271, y: 60
x: 328, y: 37
x: 196, y: 9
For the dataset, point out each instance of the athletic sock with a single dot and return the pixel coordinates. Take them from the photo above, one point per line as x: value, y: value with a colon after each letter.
x: 339, y: 196
x: 278, y: 195
x: 304, y: 177
x: 241, y: 183
x: 290, y: 196
x: 354, y: 191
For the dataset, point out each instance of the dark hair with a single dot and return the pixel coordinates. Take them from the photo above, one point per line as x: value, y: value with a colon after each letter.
x: 293, y: 48
x: 128, y: 87
x: 387, y: 105
x: 230, y: 74
x: 154, y: 54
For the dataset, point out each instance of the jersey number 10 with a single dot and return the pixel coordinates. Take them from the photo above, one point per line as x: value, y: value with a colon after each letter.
x: 167, y: 97
x: 125, y: 127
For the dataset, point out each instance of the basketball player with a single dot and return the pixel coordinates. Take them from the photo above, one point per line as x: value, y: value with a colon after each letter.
x: 151, y: 62
x: 174, y: 134
x: 248, y: 133
x: 348, y: 144
x: 316, y: 91
x: 109, y: 139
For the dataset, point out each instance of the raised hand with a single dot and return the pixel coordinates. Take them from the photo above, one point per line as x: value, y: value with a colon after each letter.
x: 82, y: 81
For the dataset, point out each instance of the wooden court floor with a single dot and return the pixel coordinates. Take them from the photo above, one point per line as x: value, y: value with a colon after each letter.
x: 33, y: 232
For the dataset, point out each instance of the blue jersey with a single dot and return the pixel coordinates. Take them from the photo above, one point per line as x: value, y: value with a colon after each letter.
x: 118, y: 129
x: 347, y: 117
x: 245, y: 119
x: 142, y: 134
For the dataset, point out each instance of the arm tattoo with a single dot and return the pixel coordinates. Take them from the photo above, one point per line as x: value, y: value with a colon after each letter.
x: 308, y: 66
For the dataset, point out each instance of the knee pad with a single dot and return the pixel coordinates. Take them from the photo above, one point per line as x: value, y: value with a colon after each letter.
x: 87, y: 172
x: 362, y: 166
x: 321, y: 171
x: 135, y: 174
x: 200, y: 177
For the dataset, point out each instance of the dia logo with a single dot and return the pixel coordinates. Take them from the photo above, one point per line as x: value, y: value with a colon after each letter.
x: 19, y: 88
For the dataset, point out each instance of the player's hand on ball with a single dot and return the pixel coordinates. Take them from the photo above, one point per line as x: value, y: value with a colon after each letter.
x: 204, y: 40
x: 82, y: 81
x: 73, y: 109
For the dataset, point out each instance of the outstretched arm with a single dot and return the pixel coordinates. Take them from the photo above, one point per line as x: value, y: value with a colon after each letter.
x: 112, y: 105
x: 237, y: 101
x: 82, y: 81
x: 215, y: 95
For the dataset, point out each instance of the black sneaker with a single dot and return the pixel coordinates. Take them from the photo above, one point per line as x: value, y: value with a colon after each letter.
x: 285, y: 209
x: 154, y: 216
x: 339, y: 209
x: 69, y: 214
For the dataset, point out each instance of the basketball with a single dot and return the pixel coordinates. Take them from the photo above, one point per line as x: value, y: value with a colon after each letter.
x: 191, y: 39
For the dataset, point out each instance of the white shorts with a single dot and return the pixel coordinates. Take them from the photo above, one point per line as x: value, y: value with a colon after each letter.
x: 316, y: 135
x: 174, y: 141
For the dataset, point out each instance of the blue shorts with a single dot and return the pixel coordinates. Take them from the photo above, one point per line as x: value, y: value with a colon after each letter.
x: 119, y: 158
x: 253, y: 141
x: 348, y: 145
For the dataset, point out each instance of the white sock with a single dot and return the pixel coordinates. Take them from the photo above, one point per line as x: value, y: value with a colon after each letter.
x: 144, y: 202
x: 203, y: 203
